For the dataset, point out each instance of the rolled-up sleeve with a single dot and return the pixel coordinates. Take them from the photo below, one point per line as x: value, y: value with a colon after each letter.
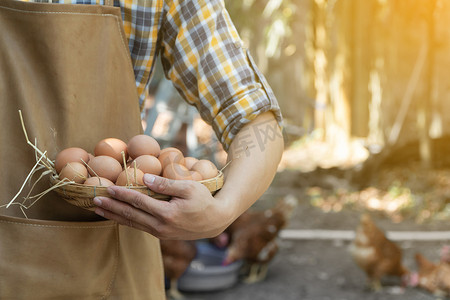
x: 202, y: 55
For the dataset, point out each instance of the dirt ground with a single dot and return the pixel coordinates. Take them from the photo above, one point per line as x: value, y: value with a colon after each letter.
x: 323, y: 269
x: 316, y: 269
x: 319, y: 270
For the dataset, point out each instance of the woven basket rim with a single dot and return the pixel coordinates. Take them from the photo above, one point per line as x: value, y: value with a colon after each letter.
x: 82, y: 195
x: 54, y: 180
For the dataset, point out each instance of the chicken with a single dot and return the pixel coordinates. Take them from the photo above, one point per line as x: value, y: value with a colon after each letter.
x: 177, y: 256
x: 445, y: 254
x: 434, y: 278
x: 253, y: 237
x: 223, y: 240
x: 376, y: 255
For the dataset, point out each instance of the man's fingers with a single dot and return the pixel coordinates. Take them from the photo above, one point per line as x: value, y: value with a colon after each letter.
x: 126, y: 214
x: 119, y: 219
x: 137, y: 199
x: 161, y: 185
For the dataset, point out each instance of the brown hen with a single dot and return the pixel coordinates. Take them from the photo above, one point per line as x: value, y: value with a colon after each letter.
x: 434, y: 278
x: 177, y: 256
x: 376, y: 255
x: 253, y: 237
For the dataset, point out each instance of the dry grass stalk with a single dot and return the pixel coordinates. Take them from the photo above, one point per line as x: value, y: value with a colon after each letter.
x: 26, y: 180
x: 42, y: 163
x: 47, y: 162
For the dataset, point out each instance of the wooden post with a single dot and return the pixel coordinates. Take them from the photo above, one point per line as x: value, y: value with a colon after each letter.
x: 320, y: 65
x: 425, y: 103
x: 361, y: 67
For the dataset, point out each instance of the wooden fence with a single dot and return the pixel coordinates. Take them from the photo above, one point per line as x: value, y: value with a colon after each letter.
x: 375, y: 69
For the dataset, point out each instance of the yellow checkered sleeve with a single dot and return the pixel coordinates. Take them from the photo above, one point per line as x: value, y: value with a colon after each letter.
x: 202, y: 55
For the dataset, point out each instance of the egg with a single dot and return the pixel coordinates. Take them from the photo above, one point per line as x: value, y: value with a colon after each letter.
x: 134, y: 177
x: 177, y: 172
x: 143, y: 144
x: 196, y: 175
x: 74, y: 171
x: 70, y: 155
x: 206, y: 168
x: 147, y: 164
x: 170, y: 149
x: 112, y: 147
x: 98, y: 181
x: 104, y: 166
x: 190, y: 161
x: 171, y: 155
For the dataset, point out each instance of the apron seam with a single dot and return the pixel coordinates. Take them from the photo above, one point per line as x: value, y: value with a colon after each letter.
x: 116, y: 264
x: 59, y: 226
x: 160, y: 263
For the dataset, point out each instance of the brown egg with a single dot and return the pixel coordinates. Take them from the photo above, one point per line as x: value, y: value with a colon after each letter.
x: 177, y: 171
x: 74, y: 171
x: 206, y: 168
x: 196, y: 175
x: 170, y: 149
x: 104, y: 166
x: 98, y: 181
x: 143, y: 144
x: 169, y: 156
x: 134, y: 178
x: 112, y: 147
x: 70, y: 155
x: 190, y: 161
x: 147, y: 164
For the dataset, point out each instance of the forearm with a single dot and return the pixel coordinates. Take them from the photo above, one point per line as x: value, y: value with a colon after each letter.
x: 254, y: 154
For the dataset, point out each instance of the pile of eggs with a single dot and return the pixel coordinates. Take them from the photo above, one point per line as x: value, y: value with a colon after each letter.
x: 115, y: 162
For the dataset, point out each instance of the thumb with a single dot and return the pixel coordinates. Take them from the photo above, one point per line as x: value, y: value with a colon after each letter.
x: 166, y: 186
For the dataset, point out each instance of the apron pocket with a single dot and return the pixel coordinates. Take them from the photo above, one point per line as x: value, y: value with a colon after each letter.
x: 57, y: 260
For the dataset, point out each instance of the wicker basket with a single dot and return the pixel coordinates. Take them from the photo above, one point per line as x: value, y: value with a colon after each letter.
x: 82, y: 195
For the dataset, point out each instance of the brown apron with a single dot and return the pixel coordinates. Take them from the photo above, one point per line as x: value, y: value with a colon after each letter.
x: 68, y: 68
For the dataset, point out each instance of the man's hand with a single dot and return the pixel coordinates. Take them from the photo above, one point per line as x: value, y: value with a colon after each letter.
x: 192, y: 212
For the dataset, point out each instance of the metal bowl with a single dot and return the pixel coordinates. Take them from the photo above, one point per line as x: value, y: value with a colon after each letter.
x: 206, y: 272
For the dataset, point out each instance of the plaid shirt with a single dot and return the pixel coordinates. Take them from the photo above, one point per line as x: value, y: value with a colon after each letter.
x: 202, y: 55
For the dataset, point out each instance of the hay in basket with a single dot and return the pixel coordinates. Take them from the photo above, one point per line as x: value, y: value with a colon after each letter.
x: 79, y: 194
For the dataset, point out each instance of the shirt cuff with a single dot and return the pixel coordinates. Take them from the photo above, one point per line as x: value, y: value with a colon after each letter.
x: 246, y: 109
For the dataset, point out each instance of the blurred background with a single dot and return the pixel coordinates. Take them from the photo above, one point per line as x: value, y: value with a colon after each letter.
x: 370, y: 69
x: 364, y: 90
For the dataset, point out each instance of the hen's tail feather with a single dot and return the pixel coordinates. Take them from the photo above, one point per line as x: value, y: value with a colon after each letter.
x: 422, y: 262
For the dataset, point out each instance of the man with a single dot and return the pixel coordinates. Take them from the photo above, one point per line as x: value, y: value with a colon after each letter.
x: 68, y: 68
